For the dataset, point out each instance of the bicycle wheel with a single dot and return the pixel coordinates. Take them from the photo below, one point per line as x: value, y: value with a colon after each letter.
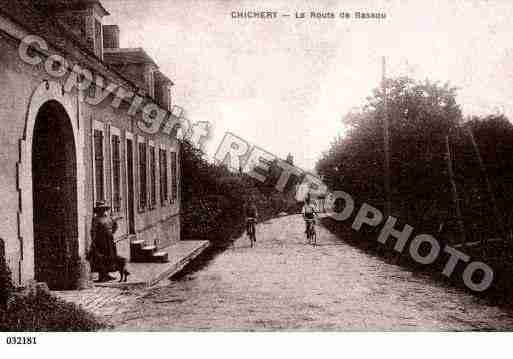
x: 252, y: 235
x: 310, y: 233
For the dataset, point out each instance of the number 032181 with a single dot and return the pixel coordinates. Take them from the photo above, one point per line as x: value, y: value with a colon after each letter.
x: 21, y: 340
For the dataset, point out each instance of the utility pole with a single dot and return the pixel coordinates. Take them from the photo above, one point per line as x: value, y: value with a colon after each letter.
x: 386, y: 140
x: 456, y: 199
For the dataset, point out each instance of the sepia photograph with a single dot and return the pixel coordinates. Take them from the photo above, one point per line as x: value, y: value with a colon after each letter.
x: 255, y: 166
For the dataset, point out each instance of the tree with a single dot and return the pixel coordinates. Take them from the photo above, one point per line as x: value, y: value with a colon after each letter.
x: 420, y: 115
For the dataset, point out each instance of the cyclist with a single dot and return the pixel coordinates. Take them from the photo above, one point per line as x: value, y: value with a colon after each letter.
x: 309, y: 211
x: 251, y: 213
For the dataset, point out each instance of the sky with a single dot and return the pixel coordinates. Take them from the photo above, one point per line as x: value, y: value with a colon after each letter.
x: 285, y: 84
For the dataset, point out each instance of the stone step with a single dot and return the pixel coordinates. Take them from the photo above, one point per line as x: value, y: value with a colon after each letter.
x: 136, y: 254
x: 140, y: 252
x: 147, y: 274
x: 160, y: 257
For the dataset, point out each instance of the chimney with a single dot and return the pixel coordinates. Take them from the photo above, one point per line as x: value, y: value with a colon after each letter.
x: 111, y: 36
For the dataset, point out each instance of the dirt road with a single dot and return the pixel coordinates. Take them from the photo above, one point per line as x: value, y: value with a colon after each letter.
x: 283, y: 283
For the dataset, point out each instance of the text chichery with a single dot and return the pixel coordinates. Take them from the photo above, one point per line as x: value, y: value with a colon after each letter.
x: 267, y: 14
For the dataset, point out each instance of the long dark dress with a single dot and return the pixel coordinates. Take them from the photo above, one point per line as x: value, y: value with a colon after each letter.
x: 103, y: 255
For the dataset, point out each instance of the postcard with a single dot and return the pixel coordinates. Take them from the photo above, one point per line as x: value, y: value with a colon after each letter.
x: 255, y: 166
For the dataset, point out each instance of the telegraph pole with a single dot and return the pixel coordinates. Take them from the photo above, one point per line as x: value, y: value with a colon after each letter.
x: 454, y: 190
x: 386, y: 140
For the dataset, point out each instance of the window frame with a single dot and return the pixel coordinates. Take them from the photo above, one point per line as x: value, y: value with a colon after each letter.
x: 163, y: 176
x: 142, y: 190
x: 129, y: 136
x: 116, y: 132
x: 151, y: 82
x: 98, y: 38
x: 173, y: 197
x: 98, y: 126
x: 152, y: 169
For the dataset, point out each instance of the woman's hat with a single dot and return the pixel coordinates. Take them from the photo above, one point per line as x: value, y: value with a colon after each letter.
x: 100, y: 205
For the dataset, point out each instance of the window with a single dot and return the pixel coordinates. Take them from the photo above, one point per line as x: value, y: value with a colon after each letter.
x: 163, y: 176
x: 153, y: 178
x: 116, y: 173
x: 81, y: 21
x: 98, y: 39
x: 143, y: 189
x: 98, y: 165
x: 91, y: 90
x: 174, y: 179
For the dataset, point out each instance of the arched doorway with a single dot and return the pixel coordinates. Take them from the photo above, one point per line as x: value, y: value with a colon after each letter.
x: 54, y: 185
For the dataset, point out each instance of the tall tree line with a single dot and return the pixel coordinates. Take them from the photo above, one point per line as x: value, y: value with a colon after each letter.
x: 424, y: 117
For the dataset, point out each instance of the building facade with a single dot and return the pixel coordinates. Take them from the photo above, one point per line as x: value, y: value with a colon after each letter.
x: 77, y: 114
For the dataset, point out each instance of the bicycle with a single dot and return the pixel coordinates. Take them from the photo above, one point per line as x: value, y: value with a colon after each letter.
x: 251, y: 230
x: 311, y: 234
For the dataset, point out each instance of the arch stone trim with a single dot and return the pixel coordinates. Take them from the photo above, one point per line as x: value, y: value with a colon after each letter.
x: 46, y: 91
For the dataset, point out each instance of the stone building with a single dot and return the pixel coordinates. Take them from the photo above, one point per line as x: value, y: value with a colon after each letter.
x: 78, y: 115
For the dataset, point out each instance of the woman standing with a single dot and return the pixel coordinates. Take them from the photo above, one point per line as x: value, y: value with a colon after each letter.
x: 103, y: 254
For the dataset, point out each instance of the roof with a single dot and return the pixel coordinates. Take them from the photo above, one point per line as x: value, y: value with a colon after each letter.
x: 67, y: 4
x: 29, y: 15
x: 127, y: 56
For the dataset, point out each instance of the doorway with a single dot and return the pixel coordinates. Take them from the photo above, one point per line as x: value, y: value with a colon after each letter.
x: 54, y: 182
